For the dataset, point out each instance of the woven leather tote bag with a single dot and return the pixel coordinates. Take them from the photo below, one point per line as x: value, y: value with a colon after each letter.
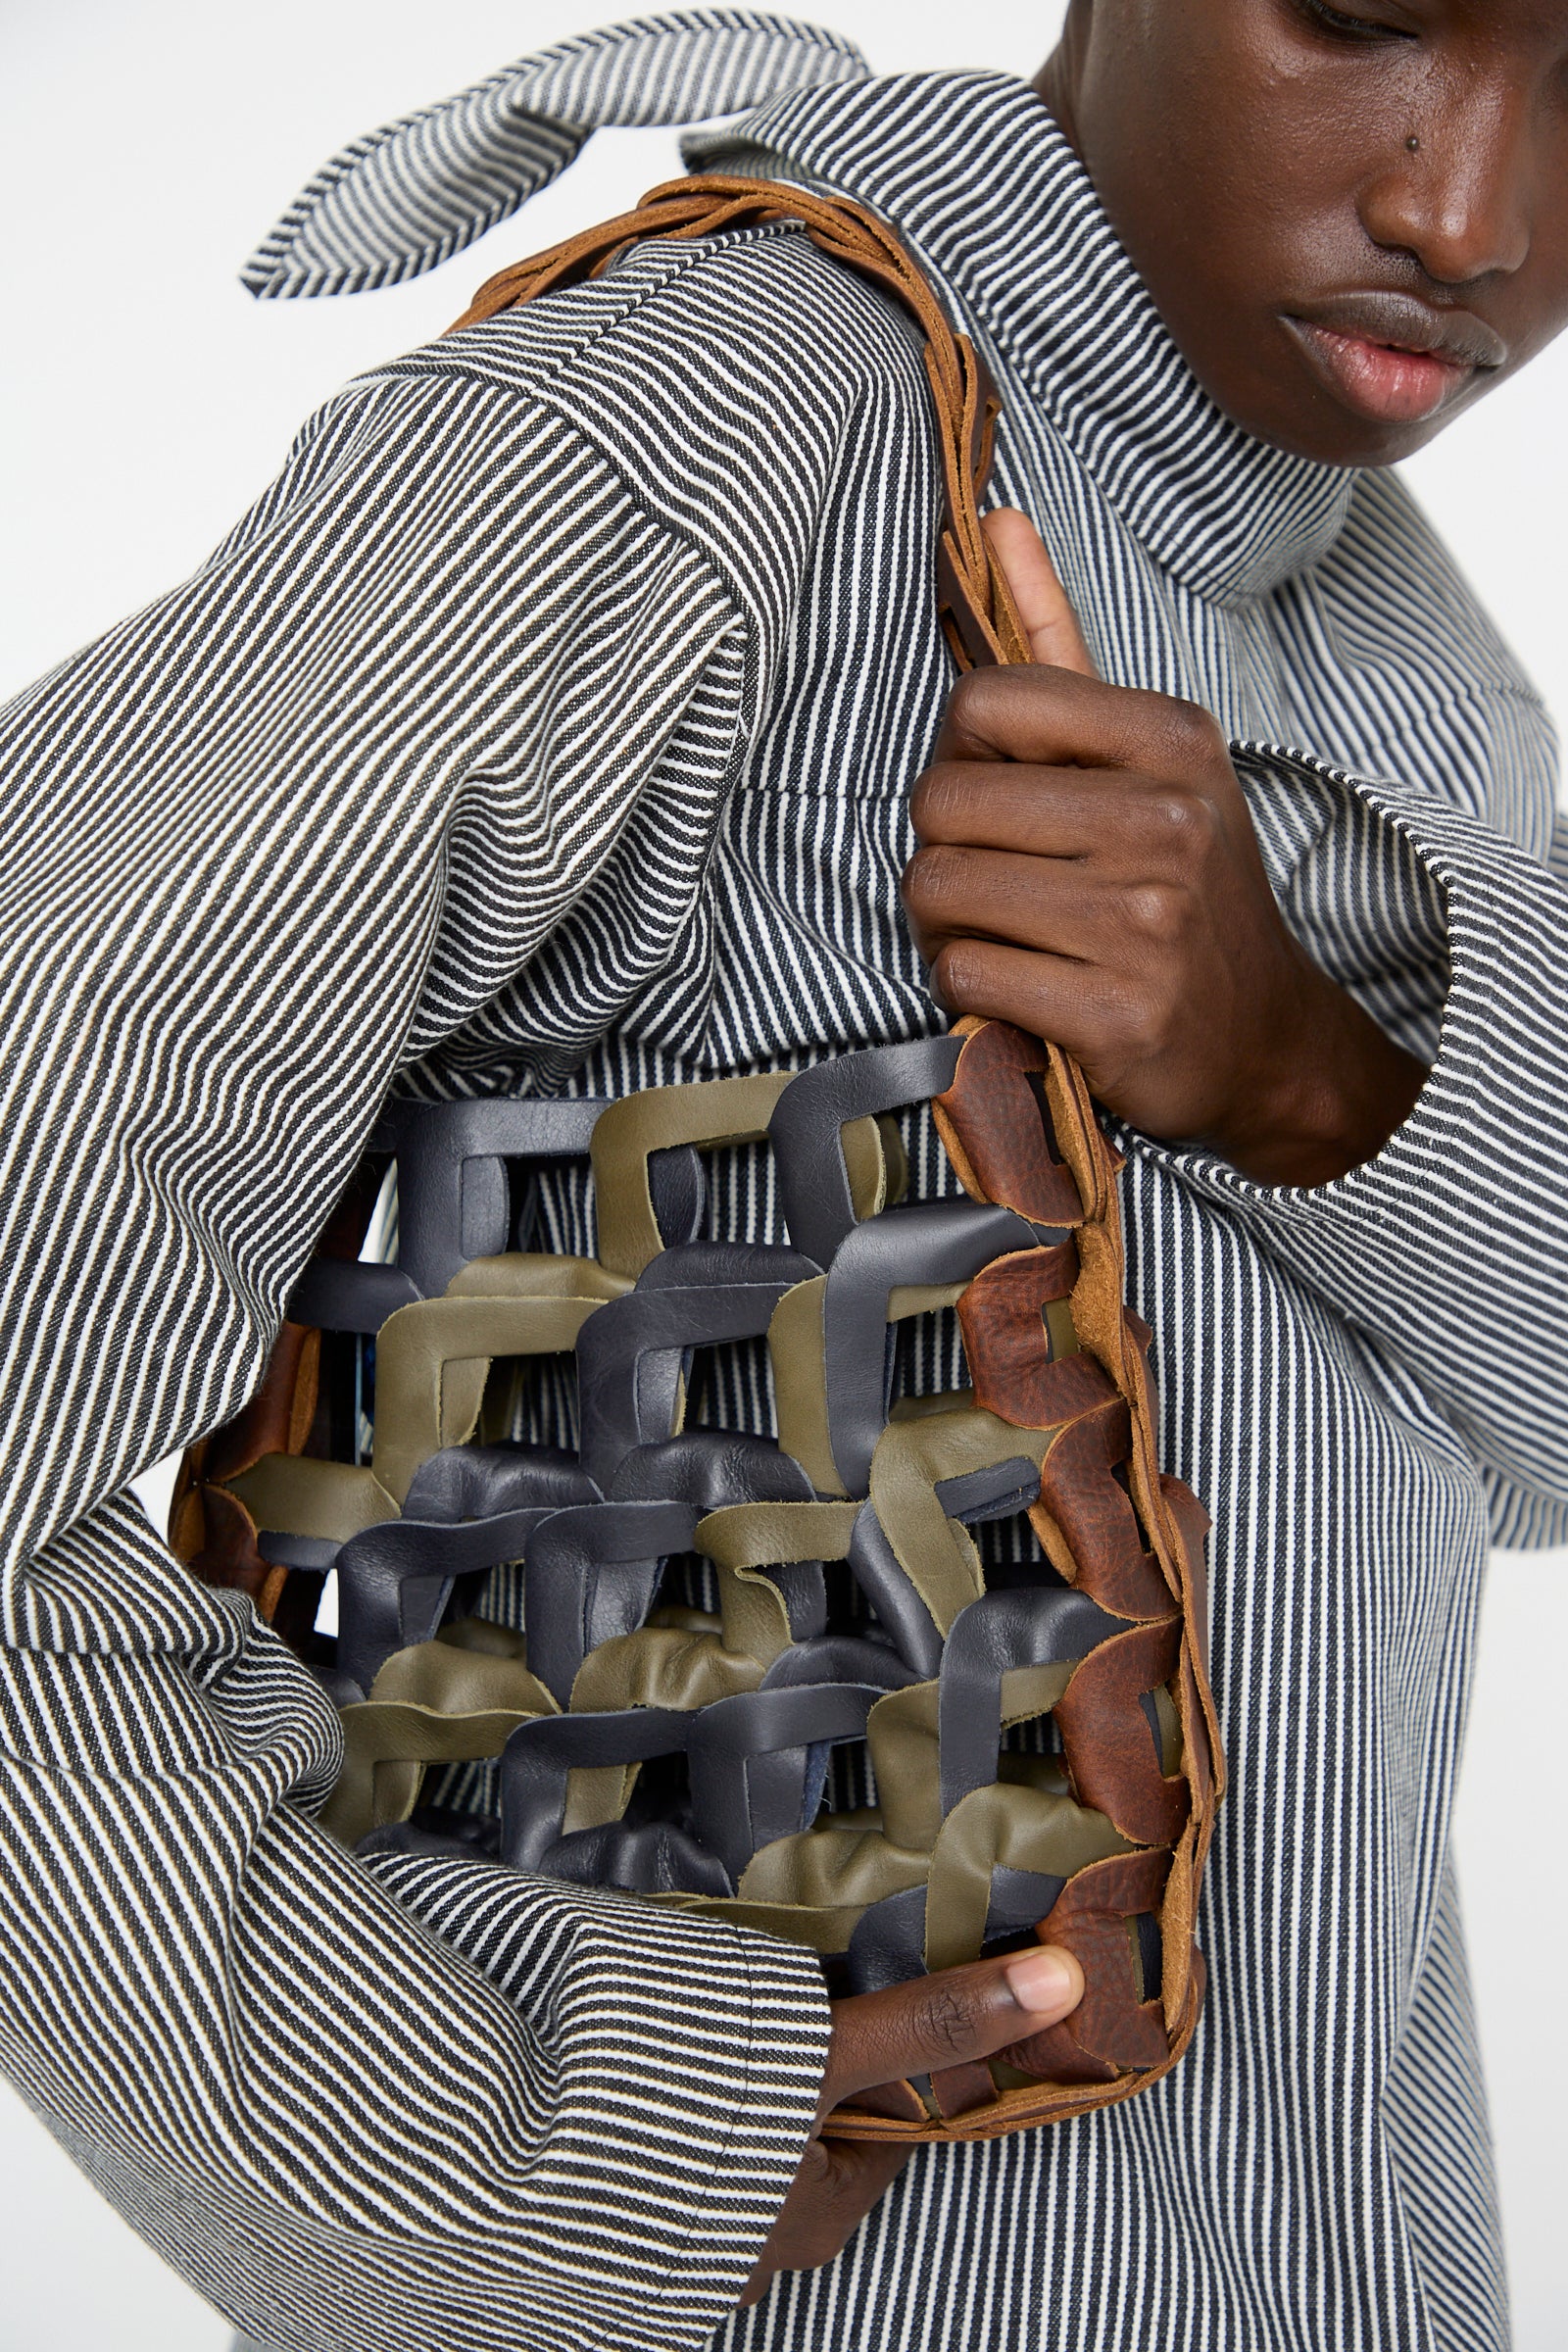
x: 766, y: 1672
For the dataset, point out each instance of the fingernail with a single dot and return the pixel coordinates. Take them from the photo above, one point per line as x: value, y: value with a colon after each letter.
x: 1040, y: 1981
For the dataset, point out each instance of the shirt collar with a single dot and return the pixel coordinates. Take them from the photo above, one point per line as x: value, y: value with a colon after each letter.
x: 975, y: 174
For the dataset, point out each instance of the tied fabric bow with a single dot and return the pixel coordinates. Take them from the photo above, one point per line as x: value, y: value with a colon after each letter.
x: 409, y: 196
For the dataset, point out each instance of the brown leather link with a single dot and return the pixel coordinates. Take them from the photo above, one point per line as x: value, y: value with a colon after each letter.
x: 1135, y: 1547
x: 1057, y: 1364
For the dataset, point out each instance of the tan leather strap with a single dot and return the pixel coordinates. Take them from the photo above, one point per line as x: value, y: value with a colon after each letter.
x: 972, y: 594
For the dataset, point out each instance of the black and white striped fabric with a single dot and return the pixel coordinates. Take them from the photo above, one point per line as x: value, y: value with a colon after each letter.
x: 548, y: 724
x: 420, y: 189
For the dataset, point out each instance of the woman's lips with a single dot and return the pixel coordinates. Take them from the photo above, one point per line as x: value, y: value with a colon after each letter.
x: 1378, y: 379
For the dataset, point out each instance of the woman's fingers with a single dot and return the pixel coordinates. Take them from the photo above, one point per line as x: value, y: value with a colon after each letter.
x: 1049, y: 619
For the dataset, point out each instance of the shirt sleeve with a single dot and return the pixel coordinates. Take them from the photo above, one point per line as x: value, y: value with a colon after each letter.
x: 1448, y: 1251
x: 262, y: 845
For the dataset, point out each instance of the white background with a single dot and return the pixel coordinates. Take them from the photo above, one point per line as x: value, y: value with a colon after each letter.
x: 145, y: 146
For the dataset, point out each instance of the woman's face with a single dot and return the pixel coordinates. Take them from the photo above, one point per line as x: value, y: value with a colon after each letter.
x: 1354, y: 222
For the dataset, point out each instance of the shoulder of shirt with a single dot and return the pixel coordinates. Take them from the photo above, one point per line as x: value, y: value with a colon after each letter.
x: 755, y: 336
x: 748, y: 392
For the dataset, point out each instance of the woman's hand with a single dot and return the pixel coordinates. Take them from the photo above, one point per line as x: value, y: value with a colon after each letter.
x: 1088, y: 871
x: 960, y: 2014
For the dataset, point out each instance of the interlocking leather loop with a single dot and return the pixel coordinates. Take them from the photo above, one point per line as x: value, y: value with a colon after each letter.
x: 765, y: 1670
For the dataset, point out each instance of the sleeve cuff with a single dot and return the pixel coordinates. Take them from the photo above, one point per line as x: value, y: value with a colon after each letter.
x: 703, y: 2045
x: 1455, y: 940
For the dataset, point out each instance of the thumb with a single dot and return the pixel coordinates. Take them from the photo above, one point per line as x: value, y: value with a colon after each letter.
x: 1049, y: 619
x: 955, y: 2017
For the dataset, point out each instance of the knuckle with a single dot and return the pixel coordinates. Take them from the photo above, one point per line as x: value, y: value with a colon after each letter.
x: 944, y: 863
x: 969, y: 697
x: 948, y: 2020
x: 935, y: 796
x: 955, y: 977
x: 1192, y: 730
x: 915, y: 885
x: 982, y: 700
x: 1157, y: 911
x: 933, y: 874
x: 1176, y: 816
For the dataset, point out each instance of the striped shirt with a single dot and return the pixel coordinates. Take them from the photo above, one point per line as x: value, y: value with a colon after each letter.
x: 548, y: 724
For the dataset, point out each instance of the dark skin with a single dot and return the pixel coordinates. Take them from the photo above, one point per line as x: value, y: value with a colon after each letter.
x: 1088, y: 870
x: 1103, y: 888
x: 939, y: 2021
